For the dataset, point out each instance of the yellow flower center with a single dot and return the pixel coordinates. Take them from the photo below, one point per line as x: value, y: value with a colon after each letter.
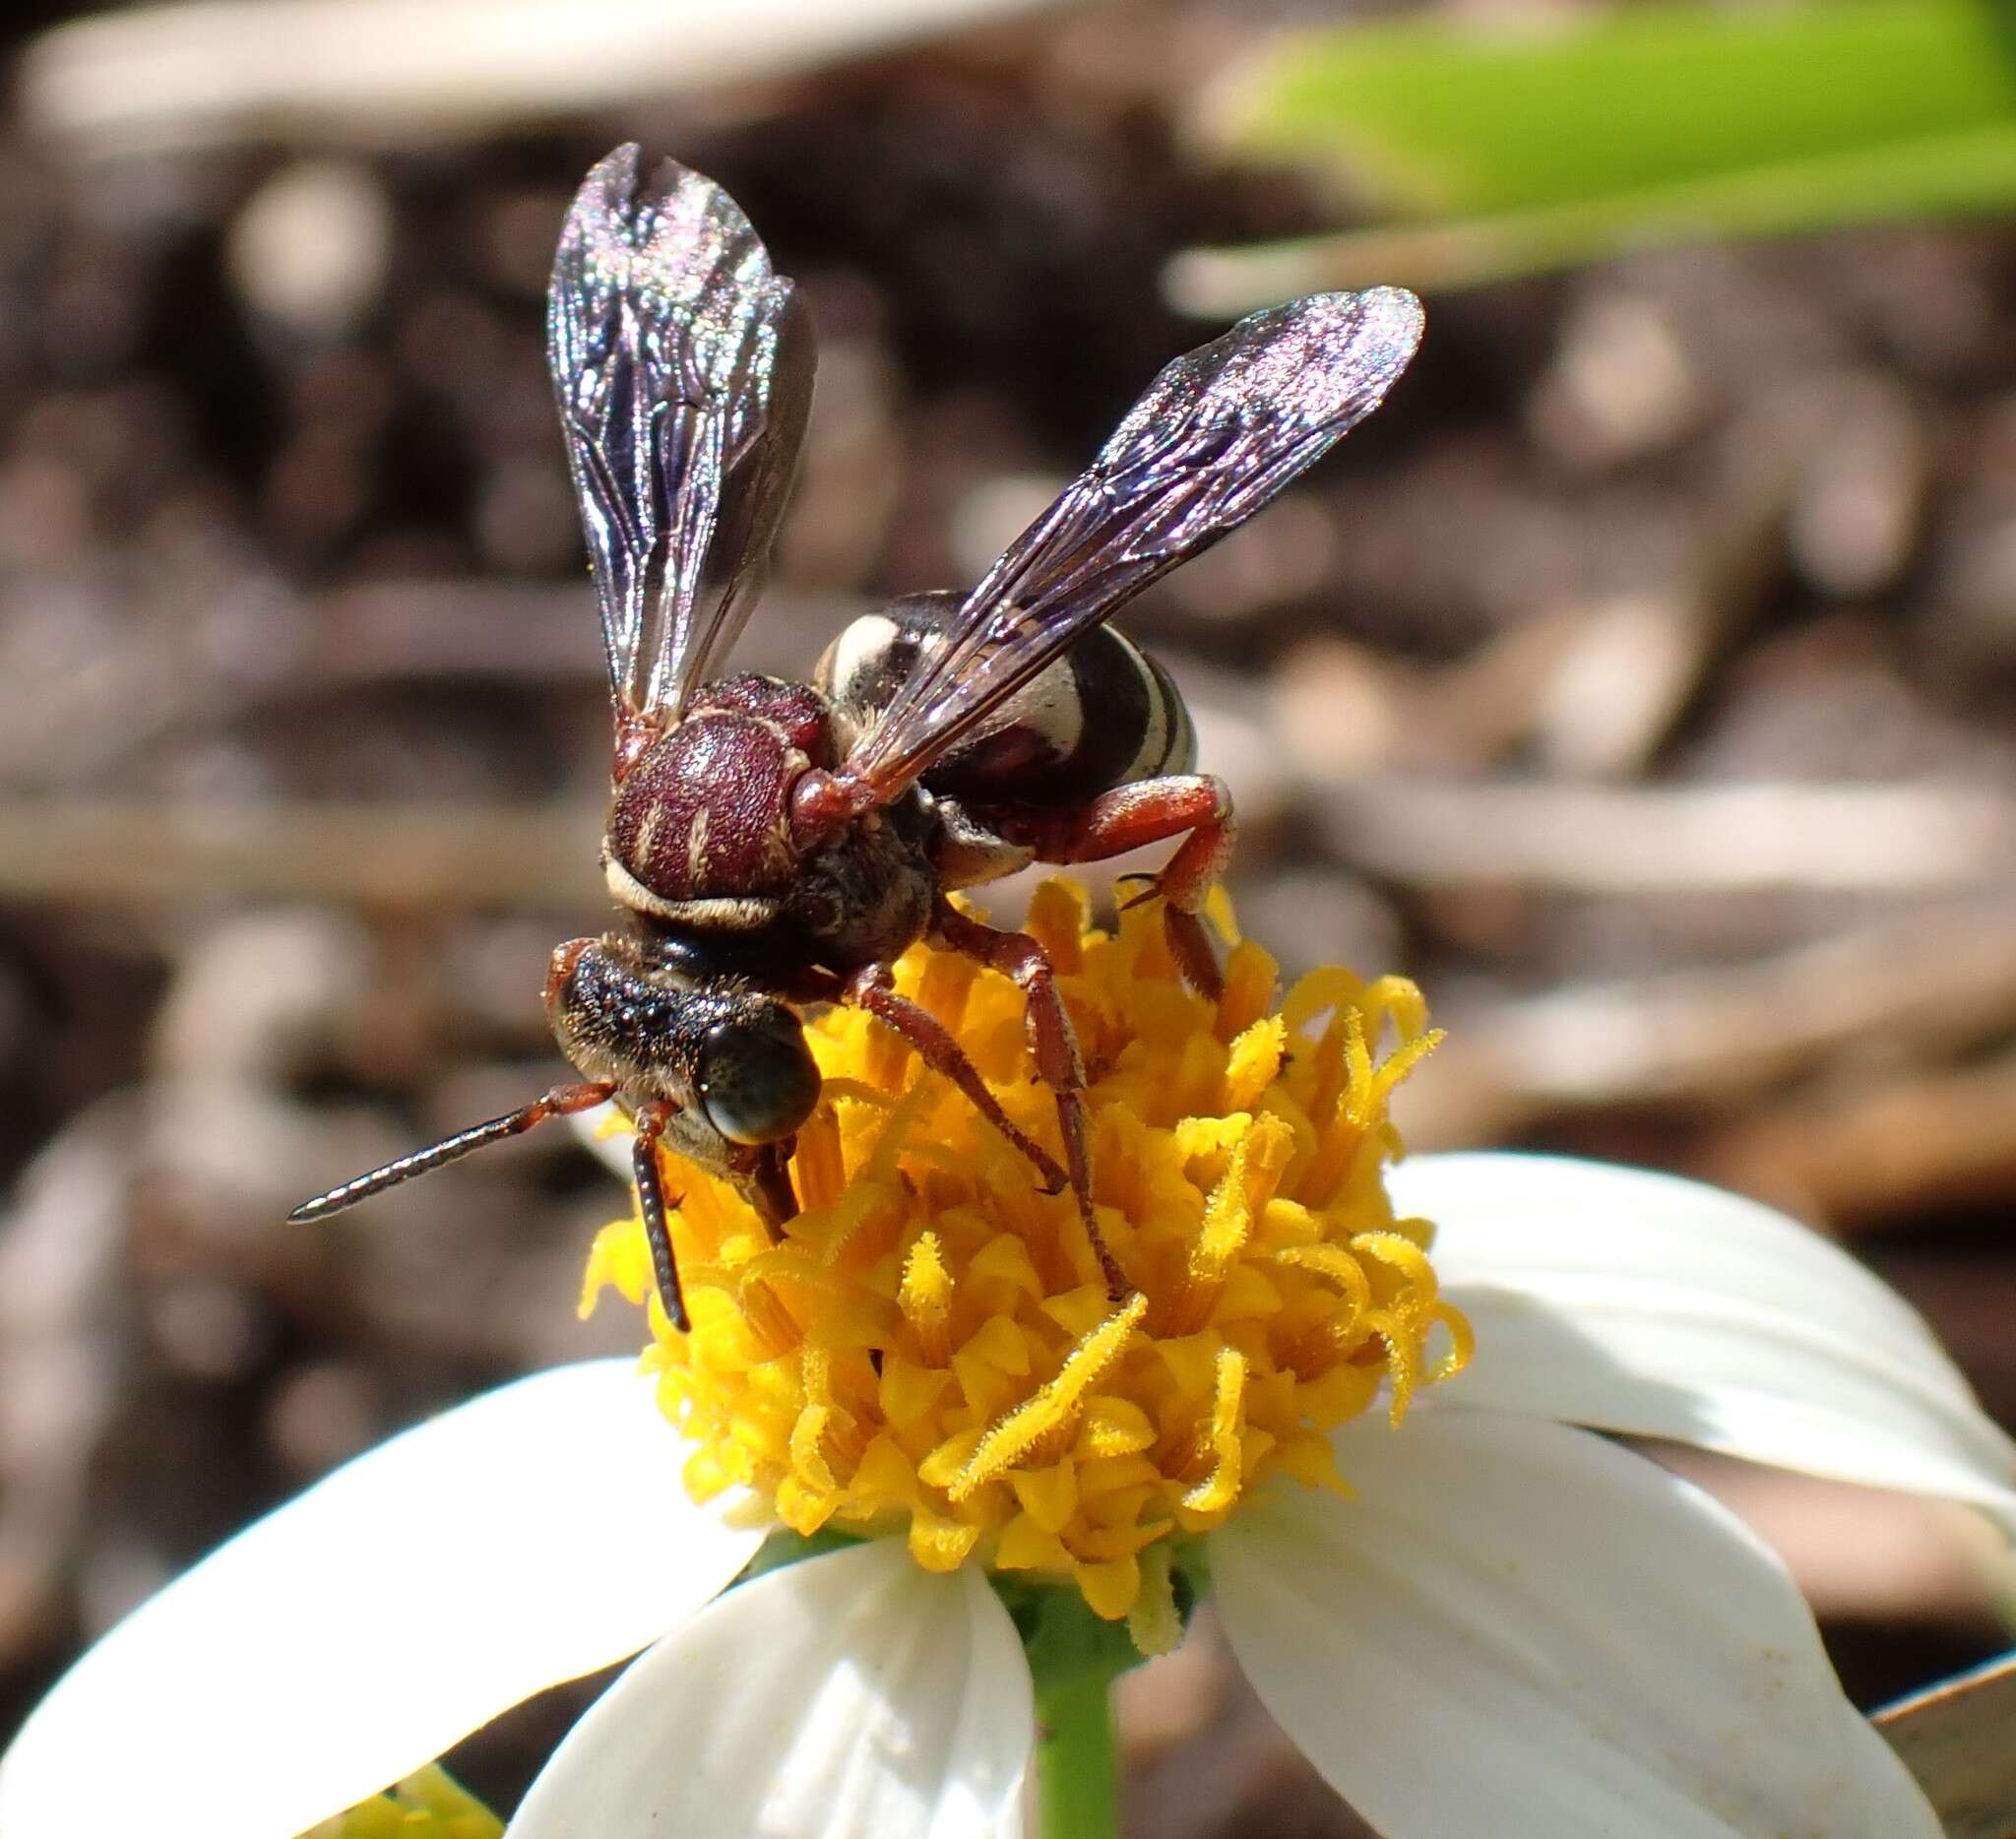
x: 931, y: 1347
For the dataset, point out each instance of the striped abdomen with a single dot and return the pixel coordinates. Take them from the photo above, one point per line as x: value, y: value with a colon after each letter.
x: 1105, y: 714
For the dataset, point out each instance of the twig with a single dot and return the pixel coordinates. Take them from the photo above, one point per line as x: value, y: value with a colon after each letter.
x: 1699, y: 839
x: 1922, y: 986
x: 412, y: 854
x: 1873, y: 1151
x: 1632, y: 672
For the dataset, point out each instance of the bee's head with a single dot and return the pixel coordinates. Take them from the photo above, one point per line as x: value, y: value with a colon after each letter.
x: 757, y: 1079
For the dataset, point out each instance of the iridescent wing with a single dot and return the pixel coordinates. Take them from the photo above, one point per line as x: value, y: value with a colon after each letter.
x: 1218, y: 432
x: 684, y: 369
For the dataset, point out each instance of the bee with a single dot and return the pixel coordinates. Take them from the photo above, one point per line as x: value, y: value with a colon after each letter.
x: 772, y: 844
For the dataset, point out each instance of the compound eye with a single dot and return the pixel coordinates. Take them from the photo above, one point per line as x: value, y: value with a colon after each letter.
x: 758, y: 1080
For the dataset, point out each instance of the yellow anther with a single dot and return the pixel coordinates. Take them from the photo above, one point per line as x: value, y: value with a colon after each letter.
x: 1402, y: 1357
x: 1402, y: 1061
x: 1462, y: 1342
x: 856, y: 1229
x: 1055, y: 1404
x: 1399, y: 999
x: 1221, y: 1440
x: 1402, y: 1255
x: 809, y: 1453
x: 1240, y: 1194
x: 838, y: 1089
x: 1253, y: 1063
x: 1344, y: 1271
x: 893, y: 1136
x: 1244, y: 1189
x: 1195, y: 1139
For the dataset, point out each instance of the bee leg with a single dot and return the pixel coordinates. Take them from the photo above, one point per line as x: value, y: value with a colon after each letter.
x: 1053, y: 1045
x: 868, y: 991
x: 652, y: 1210
x: 1147, y: 811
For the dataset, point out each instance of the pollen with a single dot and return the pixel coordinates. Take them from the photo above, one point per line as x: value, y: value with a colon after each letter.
x: 931, y: 1350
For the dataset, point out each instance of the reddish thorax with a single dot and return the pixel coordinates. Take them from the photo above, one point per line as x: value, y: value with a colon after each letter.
x: 705, y: 812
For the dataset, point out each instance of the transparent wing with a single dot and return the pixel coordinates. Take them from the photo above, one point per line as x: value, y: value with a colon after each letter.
x: 684, y: 369
x: 1218, y: 432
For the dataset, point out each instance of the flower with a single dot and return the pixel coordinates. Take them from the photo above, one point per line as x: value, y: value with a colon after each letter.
x: 933, y: 1349
x: 1471, y: 1612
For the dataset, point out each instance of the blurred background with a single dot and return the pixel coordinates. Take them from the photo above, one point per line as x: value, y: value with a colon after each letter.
x: 1639, y: 680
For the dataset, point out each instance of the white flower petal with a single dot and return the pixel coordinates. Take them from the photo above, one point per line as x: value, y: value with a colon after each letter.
x: 848, y: 1696
x: 1644, y: 1303
x: 530, y: 1537
x: 1518, y: 1628
x: 605, y: 1134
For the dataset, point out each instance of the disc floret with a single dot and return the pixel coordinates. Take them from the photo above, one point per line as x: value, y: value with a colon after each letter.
x: 932, y: 1350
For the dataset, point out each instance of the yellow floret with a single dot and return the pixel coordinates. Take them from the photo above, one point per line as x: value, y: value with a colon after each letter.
x: 932, y: 1348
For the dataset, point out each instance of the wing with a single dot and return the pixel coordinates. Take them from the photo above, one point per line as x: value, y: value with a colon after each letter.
x: 1218, y: 432
x: 684, y: 369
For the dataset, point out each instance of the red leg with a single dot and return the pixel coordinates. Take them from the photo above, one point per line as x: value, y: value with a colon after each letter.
x: 1053, y: 1045
x: 868, y: 990
x: 1130, y: 816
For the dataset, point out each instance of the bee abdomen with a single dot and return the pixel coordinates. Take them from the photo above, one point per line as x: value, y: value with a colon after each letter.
x: 1104, y: 715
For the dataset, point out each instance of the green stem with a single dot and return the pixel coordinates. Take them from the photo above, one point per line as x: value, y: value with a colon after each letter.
x: 1076, y: 1759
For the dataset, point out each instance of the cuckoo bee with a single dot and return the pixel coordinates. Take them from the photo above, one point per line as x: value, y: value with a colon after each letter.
x: 772, y: 844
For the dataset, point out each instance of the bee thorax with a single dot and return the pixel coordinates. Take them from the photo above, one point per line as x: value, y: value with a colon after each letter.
x: 705, y: 814
x: 797, y: 710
